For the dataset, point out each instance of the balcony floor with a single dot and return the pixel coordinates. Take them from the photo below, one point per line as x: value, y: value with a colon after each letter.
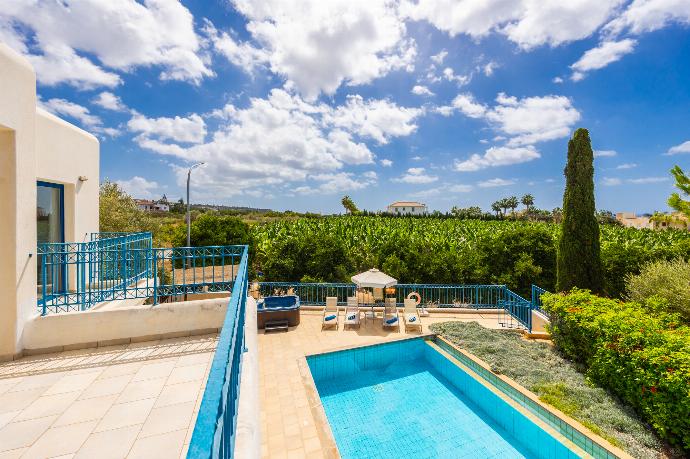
x: 288, y: 428
x: 134, y: 400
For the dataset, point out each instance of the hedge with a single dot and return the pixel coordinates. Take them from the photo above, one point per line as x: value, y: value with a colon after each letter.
x: 637, y: 351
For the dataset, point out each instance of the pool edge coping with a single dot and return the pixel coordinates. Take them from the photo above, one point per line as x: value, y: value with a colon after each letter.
x: 601, y: 442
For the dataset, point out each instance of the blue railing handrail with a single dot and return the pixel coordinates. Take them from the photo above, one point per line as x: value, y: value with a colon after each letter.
x: 536, y: 298
x: 215, y: 428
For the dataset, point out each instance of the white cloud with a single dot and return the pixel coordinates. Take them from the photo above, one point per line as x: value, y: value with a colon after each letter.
x: 416, y: 175
x: 497, y: 156
x: 191, y: 129
x: 611, y: 181
x: 421, y: 91
x: 679, y: 149
x: 461, y: 80
x: 243, y: 55
x: 386, y: 162
x: 278, y: 142
x: 649, y: 15
x: 338, y: 183
x: 468, y: 106
x: 439, y: 58
x: 526, y: 121
x: 529, y: 23
x: 320, y: 45
x: 605, y: 153
x: 109, y: 101
x: 601, y: 56
x: 121, y: 34
x: 496, y: 182
x: 460, y: 188
x: 139, y: 187
x: 488, y: 68
x: 79, y: 113
x: 376, y: 119
x: 646, y: 180
x: 557, y: 80
x: 626, y: 166
x: 416, y: 158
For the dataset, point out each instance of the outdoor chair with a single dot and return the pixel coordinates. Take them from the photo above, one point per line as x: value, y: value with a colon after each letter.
x: 378, y: 294
x: 411, y: 316
x: 352, y: 312
x: 330, y: 313
x: 390, y: 314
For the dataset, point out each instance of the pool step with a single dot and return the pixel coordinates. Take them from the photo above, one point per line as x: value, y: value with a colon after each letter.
x: 276, y: 325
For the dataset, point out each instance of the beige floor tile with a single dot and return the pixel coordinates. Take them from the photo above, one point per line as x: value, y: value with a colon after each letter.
x: 7, y: 384
x: 187, y: 373
x: 21, y: 434
x: 126, y: 414
x: 158, y: 446
x: 139, y: 390
x: 121, y: 369
x: 73, y: 382
x: 103, y: 387
x: 194, y: 359
x: 13, y: 454
x: 59, y: 441
x: 153, y: 370
x: 111, y: 444
x: 36, y: 381
x: 47, y: 405
x: 6, y: 418
x: 167, y: 419
x: 14, y: 401
x: 178, y: 393
x: 92, y: 409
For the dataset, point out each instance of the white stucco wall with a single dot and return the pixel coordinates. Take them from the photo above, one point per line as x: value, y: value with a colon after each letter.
x: 32, y: 141
x: 63, y: 154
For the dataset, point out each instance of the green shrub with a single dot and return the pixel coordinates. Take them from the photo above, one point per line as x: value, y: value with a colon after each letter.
x: 211, y: 229
x: 641, y: 356
x: 668, y: 280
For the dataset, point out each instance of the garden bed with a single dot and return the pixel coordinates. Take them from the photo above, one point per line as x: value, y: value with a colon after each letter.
x: 538, y: 367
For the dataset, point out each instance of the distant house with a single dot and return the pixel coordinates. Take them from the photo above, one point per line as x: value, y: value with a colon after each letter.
x: 407, y: 208
x: 148, y: 205
x: 630, y: 220
x: 674, y: 220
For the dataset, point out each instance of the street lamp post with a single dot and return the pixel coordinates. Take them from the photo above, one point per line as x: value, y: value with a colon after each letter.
x: 189, y: 210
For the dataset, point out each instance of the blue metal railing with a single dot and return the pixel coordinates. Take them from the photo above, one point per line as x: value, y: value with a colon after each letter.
x: 215, y: 428
x: 536, y: 298
x: 115, y: 266
x: 517, y: 309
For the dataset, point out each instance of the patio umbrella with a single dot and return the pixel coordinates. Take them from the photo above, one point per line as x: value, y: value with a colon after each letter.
x: 374, y: 279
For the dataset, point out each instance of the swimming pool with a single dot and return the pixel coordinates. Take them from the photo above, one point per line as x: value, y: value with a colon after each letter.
x: 408, y: 399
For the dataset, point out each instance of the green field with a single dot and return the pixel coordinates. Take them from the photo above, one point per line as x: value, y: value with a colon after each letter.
x: 445, y: 250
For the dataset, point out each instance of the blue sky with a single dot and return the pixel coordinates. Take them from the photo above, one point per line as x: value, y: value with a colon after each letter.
x: 292, y: 105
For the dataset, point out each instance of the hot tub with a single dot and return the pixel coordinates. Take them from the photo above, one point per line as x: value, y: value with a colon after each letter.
x: 273, y: 308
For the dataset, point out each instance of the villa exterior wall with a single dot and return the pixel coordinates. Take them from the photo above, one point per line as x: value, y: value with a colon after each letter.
x: 34, y: 145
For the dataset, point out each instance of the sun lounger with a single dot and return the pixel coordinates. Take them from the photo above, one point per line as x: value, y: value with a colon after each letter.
x: 352, y: 312
x: 411, y: 316
x: 390, y: 314
x: 330, y: 313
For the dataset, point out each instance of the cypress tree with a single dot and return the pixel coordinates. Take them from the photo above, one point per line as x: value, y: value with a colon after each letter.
x: 579, y: 254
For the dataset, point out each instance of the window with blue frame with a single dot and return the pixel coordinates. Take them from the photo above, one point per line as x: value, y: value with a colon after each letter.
x: 50, y: 228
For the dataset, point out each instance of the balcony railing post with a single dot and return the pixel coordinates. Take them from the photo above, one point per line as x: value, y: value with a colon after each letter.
x: 155, y: 277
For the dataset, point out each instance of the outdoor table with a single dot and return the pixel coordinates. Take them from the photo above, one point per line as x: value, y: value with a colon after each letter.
x: 366, y: 306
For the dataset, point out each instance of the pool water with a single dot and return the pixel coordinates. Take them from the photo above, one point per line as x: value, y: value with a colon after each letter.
x: 406, y: 399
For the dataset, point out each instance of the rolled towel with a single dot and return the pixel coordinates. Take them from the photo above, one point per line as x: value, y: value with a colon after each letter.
x: 413, y: 318
x: 352, y: 317
x: 331, y: 317
x: 392, y: 320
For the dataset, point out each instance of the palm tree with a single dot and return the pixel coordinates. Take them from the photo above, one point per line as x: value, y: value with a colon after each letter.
x: 496, y: 207
x: 528, y: 201
x: 512, y: 203
x: 349, y: 205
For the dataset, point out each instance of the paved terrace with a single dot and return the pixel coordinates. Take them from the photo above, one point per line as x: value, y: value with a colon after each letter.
x: 141, y: 399
x: 135, y: 400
